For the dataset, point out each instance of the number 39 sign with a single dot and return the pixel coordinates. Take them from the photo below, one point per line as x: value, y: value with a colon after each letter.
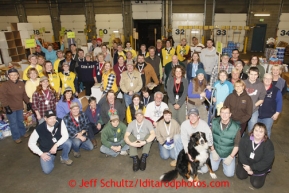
x: 284, y: 33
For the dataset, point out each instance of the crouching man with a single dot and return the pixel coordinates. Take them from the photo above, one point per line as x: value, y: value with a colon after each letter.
x: 140, y: 133
x: 112, y: 138
x: 50, y: 137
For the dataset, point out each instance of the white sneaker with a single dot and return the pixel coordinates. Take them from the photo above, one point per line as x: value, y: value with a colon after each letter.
x: 123, y: 153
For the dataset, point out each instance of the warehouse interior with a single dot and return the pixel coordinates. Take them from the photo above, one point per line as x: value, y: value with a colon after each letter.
x: 247, y: 23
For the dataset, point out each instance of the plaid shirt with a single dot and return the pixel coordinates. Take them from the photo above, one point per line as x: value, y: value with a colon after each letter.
x: 38, y: 102
x: 83, y: 124
x: 214, y: 76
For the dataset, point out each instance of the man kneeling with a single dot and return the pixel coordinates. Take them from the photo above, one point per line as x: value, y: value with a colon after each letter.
x: 51, y: 137
x: 112, y: 138
x: 140, y: 133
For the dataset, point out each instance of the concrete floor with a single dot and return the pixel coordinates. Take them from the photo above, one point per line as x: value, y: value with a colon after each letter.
x: 21, y: 171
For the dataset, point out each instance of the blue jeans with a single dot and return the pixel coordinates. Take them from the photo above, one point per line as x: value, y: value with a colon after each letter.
x: 179, y: 147
x: 47, y: 166
x: 112, y: 153
x: 268, y: 122
x: 167, y: 153
x: 127, y: 99
x: 229, y: 170
x: 208, y: 77
x: 253, y: 121
x: 16, y: 124
x: 77, y: 144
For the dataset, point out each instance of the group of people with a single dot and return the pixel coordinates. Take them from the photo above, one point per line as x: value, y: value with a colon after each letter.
x: 244, y: 96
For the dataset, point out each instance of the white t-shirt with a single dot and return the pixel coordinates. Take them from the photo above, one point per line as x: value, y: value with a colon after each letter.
x: 155, y: 112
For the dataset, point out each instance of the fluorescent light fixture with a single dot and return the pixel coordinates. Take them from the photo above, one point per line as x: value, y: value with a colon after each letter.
x: 116, y: 31
x: 262, y: 14
x: 195, y: 31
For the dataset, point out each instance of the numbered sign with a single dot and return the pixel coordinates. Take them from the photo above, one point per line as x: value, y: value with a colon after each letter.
x: 180, y: 31
x: 221, y: 32
x: 284, y: 33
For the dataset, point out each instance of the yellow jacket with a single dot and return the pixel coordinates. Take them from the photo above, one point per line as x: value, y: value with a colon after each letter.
x: 38, y: 68
x: 182, y: 51
x: 133, y: 52
x: 54, y: 81
x: 67, y: 81
x: 56, y: 64
x: 129, y: 116
x: 167, y: 55
x: 109, y: 81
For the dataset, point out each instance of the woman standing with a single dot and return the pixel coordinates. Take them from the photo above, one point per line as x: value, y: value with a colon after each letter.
x: 118, y: 68
x: 279, y: 82
x: 193, y: 66
x: 63, y: 105
x: 68, y: 79
x: 239, y: 66
x: 255, y: 62
x: 52, y: 76
x: 168, y: 53
x: 43, y: 99
x: 234, y: 76
x: 97, y: 70
x: 12, y: 95
x: 256, y: 155
x: 133, y: 107
x: 32, y: 83
x: 270, y: 109
x: 240, y: 104
x: 108, y: 79
x: 177, y: 93
x: 197, y: 92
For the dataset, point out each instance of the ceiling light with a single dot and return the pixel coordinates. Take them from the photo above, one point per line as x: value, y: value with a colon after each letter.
x: 262, y: 14
x: 194, y: 31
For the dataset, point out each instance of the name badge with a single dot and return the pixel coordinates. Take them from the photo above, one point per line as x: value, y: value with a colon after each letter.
x: 159, y: 54
x: 98, y: 73
x: 65, y: 85
x: 167, y: 57
x: 177, y: 97
x: 54, y: 140
x: 46, y: 102
x: 52, y: 84
x: 115, y: 139
x: 252, y: 155
x: 168, y: 139
x: 138, y: 137
x: 131, y: 84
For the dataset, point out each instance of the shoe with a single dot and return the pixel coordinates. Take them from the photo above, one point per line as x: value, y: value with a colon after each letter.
x: 76, y: 154
x: 173, y: 163
x: 94, y: 143
x: 26, y: 135
x: 18, y: 141
x: 67, y: 162
x: 143, y: 163
x: 123, y: 153
x: 135, y: 166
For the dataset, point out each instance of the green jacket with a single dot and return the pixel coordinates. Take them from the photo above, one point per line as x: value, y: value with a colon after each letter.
x: 224, y: 140
x: 109, y: 132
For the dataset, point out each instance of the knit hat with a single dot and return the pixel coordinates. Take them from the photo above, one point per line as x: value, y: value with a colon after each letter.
x: 74, y: 104
x: 139, y: 111
x: 99, y: 39
x: 12, y: 70
x: 114, y: 117
x: 200, y: 71
x: 43, y: 78
x: 49, y: 113
x: 194, y: 111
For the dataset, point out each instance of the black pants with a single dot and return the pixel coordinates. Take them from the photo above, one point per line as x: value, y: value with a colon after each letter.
x: 256, y: 181
x: 92, y: 131
x: 88, y: 86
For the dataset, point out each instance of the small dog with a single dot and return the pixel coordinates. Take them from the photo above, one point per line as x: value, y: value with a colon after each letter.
x: 198, y: 150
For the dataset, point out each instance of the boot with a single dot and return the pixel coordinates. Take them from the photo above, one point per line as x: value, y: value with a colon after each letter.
x: 143, y: 162
x: 94, y: 143
x: 135, y: 166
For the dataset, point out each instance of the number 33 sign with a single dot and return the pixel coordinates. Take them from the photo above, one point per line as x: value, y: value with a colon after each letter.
x: 284, y: 33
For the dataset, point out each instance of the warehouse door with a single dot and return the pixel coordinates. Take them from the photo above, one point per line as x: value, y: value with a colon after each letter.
x: 258, y: 40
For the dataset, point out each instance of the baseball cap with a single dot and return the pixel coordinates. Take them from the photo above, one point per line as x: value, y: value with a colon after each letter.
x: 194, y: 111
x: 49, y: 113
x: 99, y: 39
x: 12, y: 70
x: 43, y: 78
x: 139, y: 111
x: 74, y: 104
x: 114, y: 117
x: 68, y: 89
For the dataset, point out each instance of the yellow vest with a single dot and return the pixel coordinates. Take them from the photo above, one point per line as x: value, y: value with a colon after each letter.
x: 181, y: 51
x: 105, y: 81
x: 38, y: 68
x: 133, y: 52
x: 167, y: 56
x: 56, y: 64
x: 122, y: 54
x: 54, y: 81
x: 67, y: 81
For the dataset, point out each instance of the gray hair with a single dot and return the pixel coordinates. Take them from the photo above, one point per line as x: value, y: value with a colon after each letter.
x: 159, y: 92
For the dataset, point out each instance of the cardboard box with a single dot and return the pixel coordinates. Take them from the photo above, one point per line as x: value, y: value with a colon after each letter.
x: 84, y: 103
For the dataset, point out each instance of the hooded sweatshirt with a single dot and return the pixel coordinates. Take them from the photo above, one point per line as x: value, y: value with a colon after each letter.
x: 209, y: 58
x: 256, y: 91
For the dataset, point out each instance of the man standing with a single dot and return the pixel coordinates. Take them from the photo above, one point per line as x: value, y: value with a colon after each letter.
x: 159, y: 49
x: 196, y: 47
x: 169, y: 67
x: 130, y: 83
x: 146, y: 70
x: 60, y: 57
x: 69, y: 60
x: 112, y: 138
x: 235, y: 57
x: 224, y: 65
x: 118, y: 53
x: 183, y: 50
x: 50, y: 137
x: 226, y: 137
x: 139, y: 133
x: 97, y: 49
x: 156, y: 63
x: 38, y: 51
x: 209, y: 58
x: 188, y: 127
x: 256, y: 90
x: 154, y: 110
x: 129, y: 48
x: 77, y: 125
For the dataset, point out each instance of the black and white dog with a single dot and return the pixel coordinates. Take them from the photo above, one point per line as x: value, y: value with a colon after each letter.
x: 187, y: 166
